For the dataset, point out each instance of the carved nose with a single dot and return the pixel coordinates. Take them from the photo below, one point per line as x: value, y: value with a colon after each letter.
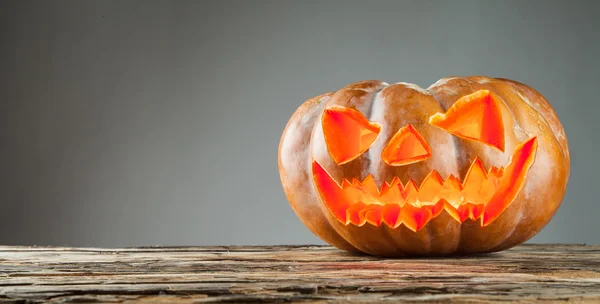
x: 407, y: 146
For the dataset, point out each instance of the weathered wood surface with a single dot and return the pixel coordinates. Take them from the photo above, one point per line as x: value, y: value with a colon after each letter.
x: 528, y: 273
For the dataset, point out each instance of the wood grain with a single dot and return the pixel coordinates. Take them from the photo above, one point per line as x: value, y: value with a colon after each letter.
x: 241, y: 274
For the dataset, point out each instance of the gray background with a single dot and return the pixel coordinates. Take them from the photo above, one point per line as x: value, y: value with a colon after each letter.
x: 129, y: 123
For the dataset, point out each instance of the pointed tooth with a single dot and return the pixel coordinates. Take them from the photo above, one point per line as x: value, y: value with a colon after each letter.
x: 384, y: 188
x: 463, y: 212
x: 370, y: 185
x: 476, y: 211
x: 451, y: 211
x: 454, y: 182
x: 410, y: 192
x: 352, y: 214
x: 434, y: 176
x: 415, y: 218
x: 400, y: 185
x: 470, y: 211
x: 390, y: 214
x: 450, y: 191
x: 387, y: 186
x: 431, y: 186
x: 363, y: 211
x: 372, y: 214
x: 476, y: 169
x: 477, y: 188
x: 364, y: 193
x: 392, y: 196
x: 395, y: 182
x: 438, y: 208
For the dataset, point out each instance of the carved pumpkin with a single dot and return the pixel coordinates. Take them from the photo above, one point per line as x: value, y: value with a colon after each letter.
x: 468, y: 165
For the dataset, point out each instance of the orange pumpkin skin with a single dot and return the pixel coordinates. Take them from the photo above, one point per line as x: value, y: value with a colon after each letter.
x: 525, y: 115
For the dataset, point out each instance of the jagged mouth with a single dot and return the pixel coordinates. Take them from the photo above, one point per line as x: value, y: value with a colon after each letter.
x: 484, y: 194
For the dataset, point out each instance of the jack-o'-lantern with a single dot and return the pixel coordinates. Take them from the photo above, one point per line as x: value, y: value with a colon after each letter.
x: 468, y: 165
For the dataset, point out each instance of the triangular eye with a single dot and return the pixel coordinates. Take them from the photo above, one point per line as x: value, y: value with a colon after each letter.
x: 348, y: 133
x: 407, y: 146
x: 476, y: 116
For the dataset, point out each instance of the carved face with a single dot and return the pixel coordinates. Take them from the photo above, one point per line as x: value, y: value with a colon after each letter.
x: 468, y: 165
x: 483, y: 194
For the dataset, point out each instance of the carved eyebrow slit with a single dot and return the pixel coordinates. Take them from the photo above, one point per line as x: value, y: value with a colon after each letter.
x: 476, y: 116
x: 348, y: 133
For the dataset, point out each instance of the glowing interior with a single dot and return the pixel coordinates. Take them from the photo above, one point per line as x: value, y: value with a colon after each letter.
x: 484, y: 194
x: 347, y: 133
x: 407, y: 146
x: 476, y: 116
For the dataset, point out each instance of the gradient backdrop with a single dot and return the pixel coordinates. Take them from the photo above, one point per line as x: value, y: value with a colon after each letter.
x: 129, y: 123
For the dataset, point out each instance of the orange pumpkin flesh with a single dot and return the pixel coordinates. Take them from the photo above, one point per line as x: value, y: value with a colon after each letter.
x: 468, y: 165
x: 475, y: 116
x: 406, y: 147
x: 351, y: 133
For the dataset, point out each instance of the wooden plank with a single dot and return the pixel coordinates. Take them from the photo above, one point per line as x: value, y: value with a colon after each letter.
x: 525, y: 274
